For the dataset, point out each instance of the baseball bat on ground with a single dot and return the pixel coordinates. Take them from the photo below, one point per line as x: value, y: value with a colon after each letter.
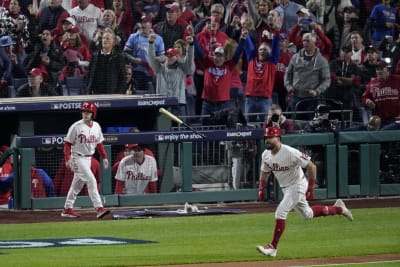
x: 178, y: 120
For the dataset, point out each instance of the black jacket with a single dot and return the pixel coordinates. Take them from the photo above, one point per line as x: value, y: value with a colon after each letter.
x: 108, y: 78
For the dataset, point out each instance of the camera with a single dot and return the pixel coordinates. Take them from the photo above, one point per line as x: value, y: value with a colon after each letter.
x: 322, y: 125
x: 275, y: 118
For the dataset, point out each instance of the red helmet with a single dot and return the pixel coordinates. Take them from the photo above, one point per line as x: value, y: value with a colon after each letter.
x: 272, y: 132
x: 89, y: 106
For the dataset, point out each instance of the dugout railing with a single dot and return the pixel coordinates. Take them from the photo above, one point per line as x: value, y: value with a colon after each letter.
x: 27, y: 145
x: 336, y: 164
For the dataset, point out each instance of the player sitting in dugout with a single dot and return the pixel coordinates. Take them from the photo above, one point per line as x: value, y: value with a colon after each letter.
x: 137, y: 173
x: 41, y: 183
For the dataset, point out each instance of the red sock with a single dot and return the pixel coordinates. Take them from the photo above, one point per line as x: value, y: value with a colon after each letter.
x: 279, y: 228
x: 326, y: 210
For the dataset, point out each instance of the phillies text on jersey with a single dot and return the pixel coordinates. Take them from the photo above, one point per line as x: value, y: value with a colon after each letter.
x: 286, y: 165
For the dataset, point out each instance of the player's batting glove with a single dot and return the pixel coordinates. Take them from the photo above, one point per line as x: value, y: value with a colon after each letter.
x: 261, y: 186
x: 310, y: 190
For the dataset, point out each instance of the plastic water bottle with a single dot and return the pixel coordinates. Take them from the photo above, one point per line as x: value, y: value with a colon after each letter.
x: 11, y: 203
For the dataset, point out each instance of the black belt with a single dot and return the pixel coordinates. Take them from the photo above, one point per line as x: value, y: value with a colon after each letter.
x: 81, y: 155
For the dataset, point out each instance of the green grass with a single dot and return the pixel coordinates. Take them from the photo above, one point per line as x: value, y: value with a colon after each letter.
x: 204, y: 239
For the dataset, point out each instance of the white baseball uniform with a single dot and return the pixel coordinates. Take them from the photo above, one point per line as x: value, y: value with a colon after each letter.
x: 86, y: 19
x: 137, y: 176
x: 83, y: 140
x: 287, y: 166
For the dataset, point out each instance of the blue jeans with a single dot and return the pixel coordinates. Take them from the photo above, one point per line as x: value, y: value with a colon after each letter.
x: 237, y: 97
x: 256, y: 104
x: 180, y: 111
x: 208, y: 107
x: 390, y: 126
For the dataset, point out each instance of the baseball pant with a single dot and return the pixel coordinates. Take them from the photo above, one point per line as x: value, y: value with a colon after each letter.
x: 83, y: 175
x: 294, y: 198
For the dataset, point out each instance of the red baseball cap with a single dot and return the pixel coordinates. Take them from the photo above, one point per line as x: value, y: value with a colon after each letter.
x: 35, y: 72
x: 3, y: 148
x: 74, y: 29
x: 172, y: 7
x: 132, y: 146
x: 171, y: 52
x: 146, y: 18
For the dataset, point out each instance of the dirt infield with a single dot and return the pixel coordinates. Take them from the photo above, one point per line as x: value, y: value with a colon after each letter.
x: 300, y: 262
x: 39, y: 216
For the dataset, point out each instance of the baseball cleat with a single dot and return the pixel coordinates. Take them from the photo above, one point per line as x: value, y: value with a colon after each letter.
x: 268, y: 250
x: 101, y: 212
x: 69, y: 213
x: 345, y: 211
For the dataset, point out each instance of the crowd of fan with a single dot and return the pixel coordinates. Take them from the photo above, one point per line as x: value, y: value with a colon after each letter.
x: 210, y: 54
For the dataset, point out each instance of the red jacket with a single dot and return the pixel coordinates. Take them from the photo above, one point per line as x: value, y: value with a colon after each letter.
x: 63, y: 179
x: 386, y: 96
x: 217, y: 81
x: 208, y: 44
x: 323, y: 42
x: 5, y: 170
x: 260, y: 82
x: 283, y: 62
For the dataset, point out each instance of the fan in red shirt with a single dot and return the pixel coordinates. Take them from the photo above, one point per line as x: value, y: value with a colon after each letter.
x: 382, y: 96
x: 217, y: 81
x: 260, y: 74
x: 208, y: 39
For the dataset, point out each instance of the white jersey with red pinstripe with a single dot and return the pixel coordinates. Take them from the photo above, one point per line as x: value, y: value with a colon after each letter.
x: 137, y: 176
x: 84, y: 138
x: 286, y: 165
x: 86, y: 19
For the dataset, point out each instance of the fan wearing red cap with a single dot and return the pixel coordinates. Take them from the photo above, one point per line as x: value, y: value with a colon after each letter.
x: 286, y: 164
x: 35, y: 86
x: 382, y: 96
x: 173, y: 27
x: 84, y: 137
x: 171, y: 74
x: 137, y: 172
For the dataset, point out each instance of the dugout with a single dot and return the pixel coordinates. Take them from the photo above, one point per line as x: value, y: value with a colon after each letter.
x: 372, y: 150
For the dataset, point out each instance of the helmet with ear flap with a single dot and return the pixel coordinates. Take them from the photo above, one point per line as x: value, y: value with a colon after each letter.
x: 272, y: 132
x: 90, y: 107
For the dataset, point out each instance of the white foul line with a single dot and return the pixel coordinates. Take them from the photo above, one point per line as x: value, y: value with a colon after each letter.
x: 339, y: 264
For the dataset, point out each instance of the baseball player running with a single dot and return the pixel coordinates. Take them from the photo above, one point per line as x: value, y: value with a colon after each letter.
x: 287, y: 164
x: 83, y: 138
x: 137, y: 173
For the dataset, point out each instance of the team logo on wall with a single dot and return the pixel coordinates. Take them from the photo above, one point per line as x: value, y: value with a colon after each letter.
x: 69, y: 242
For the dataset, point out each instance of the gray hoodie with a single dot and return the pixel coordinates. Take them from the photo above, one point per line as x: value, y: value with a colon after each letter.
x: 306, y: 75
x: 171, y: 81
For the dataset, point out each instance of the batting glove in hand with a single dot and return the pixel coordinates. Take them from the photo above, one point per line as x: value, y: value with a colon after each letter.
x: 310, y: 190
x: 261, y: 186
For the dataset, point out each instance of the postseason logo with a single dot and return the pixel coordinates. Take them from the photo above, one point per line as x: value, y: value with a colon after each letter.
x: 66, y: 105
x: 53, y: 140
x: 69, y: 242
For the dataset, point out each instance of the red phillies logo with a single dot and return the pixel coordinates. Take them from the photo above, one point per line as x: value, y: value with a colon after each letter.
x: 140, y: 176
x: 88, y: 140
x: 276, y: 167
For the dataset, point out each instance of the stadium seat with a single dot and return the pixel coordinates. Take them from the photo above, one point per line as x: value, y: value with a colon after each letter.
x: 75, y: 85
